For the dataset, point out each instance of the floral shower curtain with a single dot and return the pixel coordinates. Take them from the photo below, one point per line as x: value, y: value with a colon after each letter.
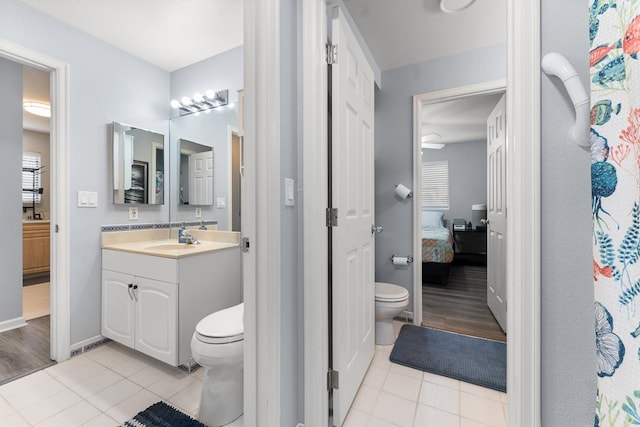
x: 614, y: 34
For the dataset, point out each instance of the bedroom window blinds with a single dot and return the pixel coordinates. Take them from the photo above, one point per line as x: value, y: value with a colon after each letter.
x: 30, y: 179
x: 435, y: 184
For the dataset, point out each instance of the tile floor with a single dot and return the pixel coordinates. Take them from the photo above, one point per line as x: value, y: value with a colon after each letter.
x: 394, y: 395
x: 108, y: 385
x: 101, y: 387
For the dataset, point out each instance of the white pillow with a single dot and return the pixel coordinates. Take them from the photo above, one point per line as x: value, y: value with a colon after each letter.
x: 431, y: 219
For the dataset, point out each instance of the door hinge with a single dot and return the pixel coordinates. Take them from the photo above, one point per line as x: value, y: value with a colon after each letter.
x: 57, y: 229
x: 333, y: 380
x: 245, y: 244
x: 332, y: 54
x: 332, y: 217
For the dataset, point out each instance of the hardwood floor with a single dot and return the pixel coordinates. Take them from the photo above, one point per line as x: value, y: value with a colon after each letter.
x: 24, y: 350
x: 461, y: 305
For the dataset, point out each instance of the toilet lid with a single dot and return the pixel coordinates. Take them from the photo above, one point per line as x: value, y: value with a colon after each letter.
x: 389, y: 292
x: 222, y: 326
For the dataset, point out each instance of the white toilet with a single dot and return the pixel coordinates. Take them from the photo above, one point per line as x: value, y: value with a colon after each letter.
x: 391, y: 300
x: 218, y: 346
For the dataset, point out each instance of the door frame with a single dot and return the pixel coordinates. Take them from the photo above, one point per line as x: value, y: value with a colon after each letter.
x: 485, y: 88
x: 523, y: 175
x: 260, y: 222
x: 60, y: 329
x: 231, y: 131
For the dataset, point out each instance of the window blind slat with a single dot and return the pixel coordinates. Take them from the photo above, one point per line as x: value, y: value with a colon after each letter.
x: 435, y: 185
x: 30, y: 180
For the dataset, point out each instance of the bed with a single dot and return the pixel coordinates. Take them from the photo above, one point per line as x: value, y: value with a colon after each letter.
x: 437, y: 248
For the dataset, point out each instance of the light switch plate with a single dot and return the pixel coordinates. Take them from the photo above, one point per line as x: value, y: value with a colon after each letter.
x: 221, y: 202
x: 87, y: 199
x: 133, y: 213
x: 198, y: 212
x: 289, y: 192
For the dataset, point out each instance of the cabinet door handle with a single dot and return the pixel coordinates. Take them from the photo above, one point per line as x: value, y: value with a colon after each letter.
x: 129, y: 290
x: 134, y: 292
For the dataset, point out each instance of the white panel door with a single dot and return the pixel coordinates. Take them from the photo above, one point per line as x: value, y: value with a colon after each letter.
x: 201, y: 178
x: 352, y: 194
x: 496, y: 213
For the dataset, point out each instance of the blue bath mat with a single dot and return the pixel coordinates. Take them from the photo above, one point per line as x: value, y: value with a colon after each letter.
x: 162, y: 415
x: 473, y: 360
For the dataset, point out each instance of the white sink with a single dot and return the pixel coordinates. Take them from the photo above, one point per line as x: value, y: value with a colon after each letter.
x: 170, y: 247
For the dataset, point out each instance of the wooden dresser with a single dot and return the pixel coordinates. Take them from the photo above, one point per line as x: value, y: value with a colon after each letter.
x: 35, y: 247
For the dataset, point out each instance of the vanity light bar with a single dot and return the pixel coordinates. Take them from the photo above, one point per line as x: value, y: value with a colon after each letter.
x: 200, y: 102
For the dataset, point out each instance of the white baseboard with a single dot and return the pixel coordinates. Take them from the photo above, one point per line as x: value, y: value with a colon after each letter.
x: 17, y: 322
x: 88, y: 344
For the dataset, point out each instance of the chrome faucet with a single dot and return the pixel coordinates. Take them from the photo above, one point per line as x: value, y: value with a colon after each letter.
x: 189, y: 239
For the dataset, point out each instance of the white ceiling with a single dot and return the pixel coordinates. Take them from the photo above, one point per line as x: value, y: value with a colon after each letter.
x: 404, y: 32
x: 171, y: 34
x: 458, y: 120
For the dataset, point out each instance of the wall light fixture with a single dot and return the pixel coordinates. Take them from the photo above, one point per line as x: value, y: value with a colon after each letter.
x: 38, y: 108
x: 200, y: 102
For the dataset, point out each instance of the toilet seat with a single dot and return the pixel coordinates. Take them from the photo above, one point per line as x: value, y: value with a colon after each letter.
x: 221, y: 327
x: 386, y: 292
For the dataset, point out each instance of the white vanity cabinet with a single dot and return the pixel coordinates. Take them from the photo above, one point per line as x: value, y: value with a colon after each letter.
x: 153, y: 303
x: 140, y: 313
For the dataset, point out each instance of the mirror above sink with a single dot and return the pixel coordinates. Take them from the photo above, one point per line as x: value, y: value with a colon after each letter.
x: 202, y: 168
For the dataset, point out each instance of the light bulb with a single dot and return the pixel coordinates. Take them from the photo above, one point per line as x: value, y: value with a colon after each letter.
x: 175, y: 103
x: 210, y: 94
x: 186, y: 101
x: 197, y: 97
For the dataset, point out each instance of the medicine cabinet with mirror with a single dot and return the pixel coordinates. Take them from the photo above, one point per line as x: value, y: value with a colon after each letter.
x: 138, y: 165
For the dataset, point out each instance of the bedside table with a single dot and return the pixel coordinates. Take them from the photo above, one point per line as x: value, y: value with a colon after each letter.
x: 471, y: 242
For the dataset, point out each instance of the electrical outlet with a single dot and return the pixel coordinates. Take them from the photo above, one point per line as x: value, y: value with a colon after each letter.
x: 133, y: 213
x: 198, y: 212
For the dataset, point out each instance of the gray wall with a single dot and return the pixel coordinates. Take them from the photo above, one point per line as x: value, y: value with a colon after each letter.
x: 567, y: 335
x: 394, y: 143
x: 10, y: 188
x: 37, y: 142
x: 106, y: 84
x: 223, y: 71
x: 291, y: 345
x: 467, y: 176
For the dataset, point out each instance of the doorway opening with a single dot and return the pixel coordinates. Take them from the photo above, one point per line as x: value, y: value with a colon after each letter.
x: 453, y: 183
x: 28, y: 343
x: 57, y: 72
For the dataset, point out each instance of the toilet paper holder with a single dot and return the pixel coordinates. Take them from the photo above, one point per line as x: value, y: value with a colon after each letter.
x: 394, y: 256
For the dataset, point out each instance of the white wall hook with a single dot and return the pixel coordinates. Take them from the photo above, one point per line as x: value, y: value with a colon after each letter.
x: 554, y: 64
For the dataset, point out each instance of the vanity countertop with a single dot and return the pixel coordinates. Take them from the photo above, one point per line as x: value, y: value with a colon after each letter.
x: 169, y: 248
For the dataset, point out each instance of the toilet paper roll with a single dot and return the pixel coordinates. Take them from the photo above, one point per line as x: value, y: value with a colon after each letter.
x: 402, y: 191
x: 400, y: 260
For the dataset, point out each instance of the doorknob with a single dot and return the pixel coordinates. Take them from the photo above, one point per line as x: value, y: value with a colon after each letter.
x: 376, y: 229
x: 484, y: 221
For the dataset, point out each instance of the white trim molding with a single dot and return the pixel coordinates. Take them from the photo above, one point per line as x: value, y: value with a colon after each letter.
x: 261, y: 213
x: 485, y: 88
x: 16, y: 322
x: 316, y: 189
x: 523, y: 212
x: 60, y: 234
